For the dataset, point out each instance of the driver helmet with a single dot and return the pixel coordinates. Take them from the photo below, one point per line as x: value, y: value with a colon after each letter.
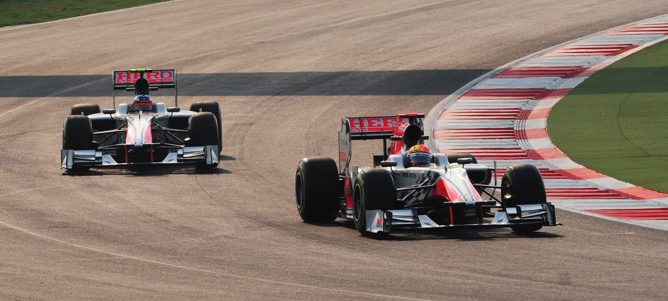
x: 419, y: 155
x: 142, y: 102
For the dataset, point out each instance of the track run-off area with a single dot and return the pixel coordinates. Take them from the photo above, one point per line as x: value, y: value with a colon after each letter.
x: 502, y: 118
x: 284, y: 74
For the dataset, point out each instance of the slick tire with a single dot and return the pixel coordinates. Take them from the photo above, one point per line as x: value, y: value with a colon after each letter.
x: 317, y: 190
x: 85, y: 109
x: 522, y: 184
x: 477, y: 176
x: 213, y: 108
x: 374, y: 190
x: 203, y: 130
x: 77, y: 133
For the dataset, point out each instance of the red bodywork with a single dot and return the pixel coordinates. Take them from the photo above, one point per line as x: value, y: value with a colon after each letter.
x: 444, y: 191
x: 396, y: 145
x: 132, y: 133
x: 348, y: 193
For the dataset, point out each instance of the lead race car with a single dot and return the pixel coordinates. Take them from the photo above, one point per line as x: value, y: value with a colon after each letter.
x: 142, y: 132
x: 410, y: 188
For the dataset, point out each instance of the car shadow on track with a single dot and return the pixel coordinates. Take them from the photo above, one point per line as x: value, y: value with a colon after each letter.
x: 321, y: 83
x: 472, y: 234
x: 154, y: 171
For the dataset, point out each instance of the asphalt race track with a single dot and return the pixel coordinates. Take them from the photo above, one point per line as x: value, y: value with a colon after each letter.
x: 284, y: 73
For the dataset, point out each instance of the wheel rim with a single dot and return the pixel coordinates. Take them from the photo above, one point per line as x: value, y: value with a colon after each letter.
x: 506, y: 193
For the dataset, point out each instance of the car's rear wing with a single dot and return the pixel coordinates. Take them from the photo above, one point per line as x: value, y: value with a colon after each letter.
x: 160, y: 78
x: 157, y: 79
x: 370, y: 128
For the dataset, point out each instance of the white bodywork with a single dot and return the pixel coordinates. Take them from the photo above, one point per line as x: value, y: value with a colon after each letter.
x: 138, y: 135
x: 455, y: 178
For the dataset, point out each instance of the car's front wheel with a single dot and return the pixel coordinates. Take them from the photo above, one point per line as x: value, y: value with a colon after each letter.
x: 213, y: 108
x: 203, y: 131
x: 374, y: 190
x: 78, y: 135
x: 522, y: 184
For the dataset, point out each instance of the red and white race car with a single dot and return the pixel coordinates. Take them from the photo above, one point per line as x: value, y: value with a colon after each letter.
x: 142, y: 131
x: 445, y: 192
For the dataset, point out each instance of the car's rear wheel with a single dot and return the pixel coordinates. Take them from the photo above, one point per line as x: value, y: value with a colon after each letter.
x: 213, y: 108
x: 203, y: 131
x: 452, y: 158
x: 85, y: 109
x: 374, y: 190
x: 317, y: 189
x: 522, y: 184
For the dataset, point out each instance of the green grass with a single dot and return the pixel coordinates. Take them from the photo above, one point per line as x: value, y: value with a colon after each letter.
x: 616, y: 122
x: 15, y: 12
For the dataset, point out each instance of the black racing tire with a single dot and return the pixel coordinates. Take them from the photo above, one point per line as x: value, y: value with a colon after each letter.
x: 213, y: 108
x: 452, y: 158
x: 85, y: 109
x: 476, y: 177
x: 317, y: 190
x: 374, y: 190
x: 523, y: 184
x: 202, y: 131
x: 77, y: 133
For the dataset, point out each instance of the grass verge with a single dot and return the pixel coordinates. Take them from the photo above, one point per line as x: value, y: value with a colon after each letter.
x: 616, y: 122
x: 16, y: 12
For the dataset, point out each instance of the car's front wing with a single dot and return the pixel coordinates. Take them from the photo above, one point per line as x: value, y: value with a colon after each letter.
x: 531, y: 214
x: 70, y: 159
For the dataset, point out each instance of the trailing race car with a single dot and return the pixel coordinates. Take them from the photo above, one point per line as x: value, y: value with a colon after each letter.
x: 408, y: 187
x: 142, y: 132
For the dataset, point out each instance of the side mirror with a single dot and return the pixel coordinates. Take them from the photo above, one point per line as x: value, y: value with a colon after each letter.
x: 109, y: 111
x: 388, y: 164
x: 173, y: 109
x: 464, y: 161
